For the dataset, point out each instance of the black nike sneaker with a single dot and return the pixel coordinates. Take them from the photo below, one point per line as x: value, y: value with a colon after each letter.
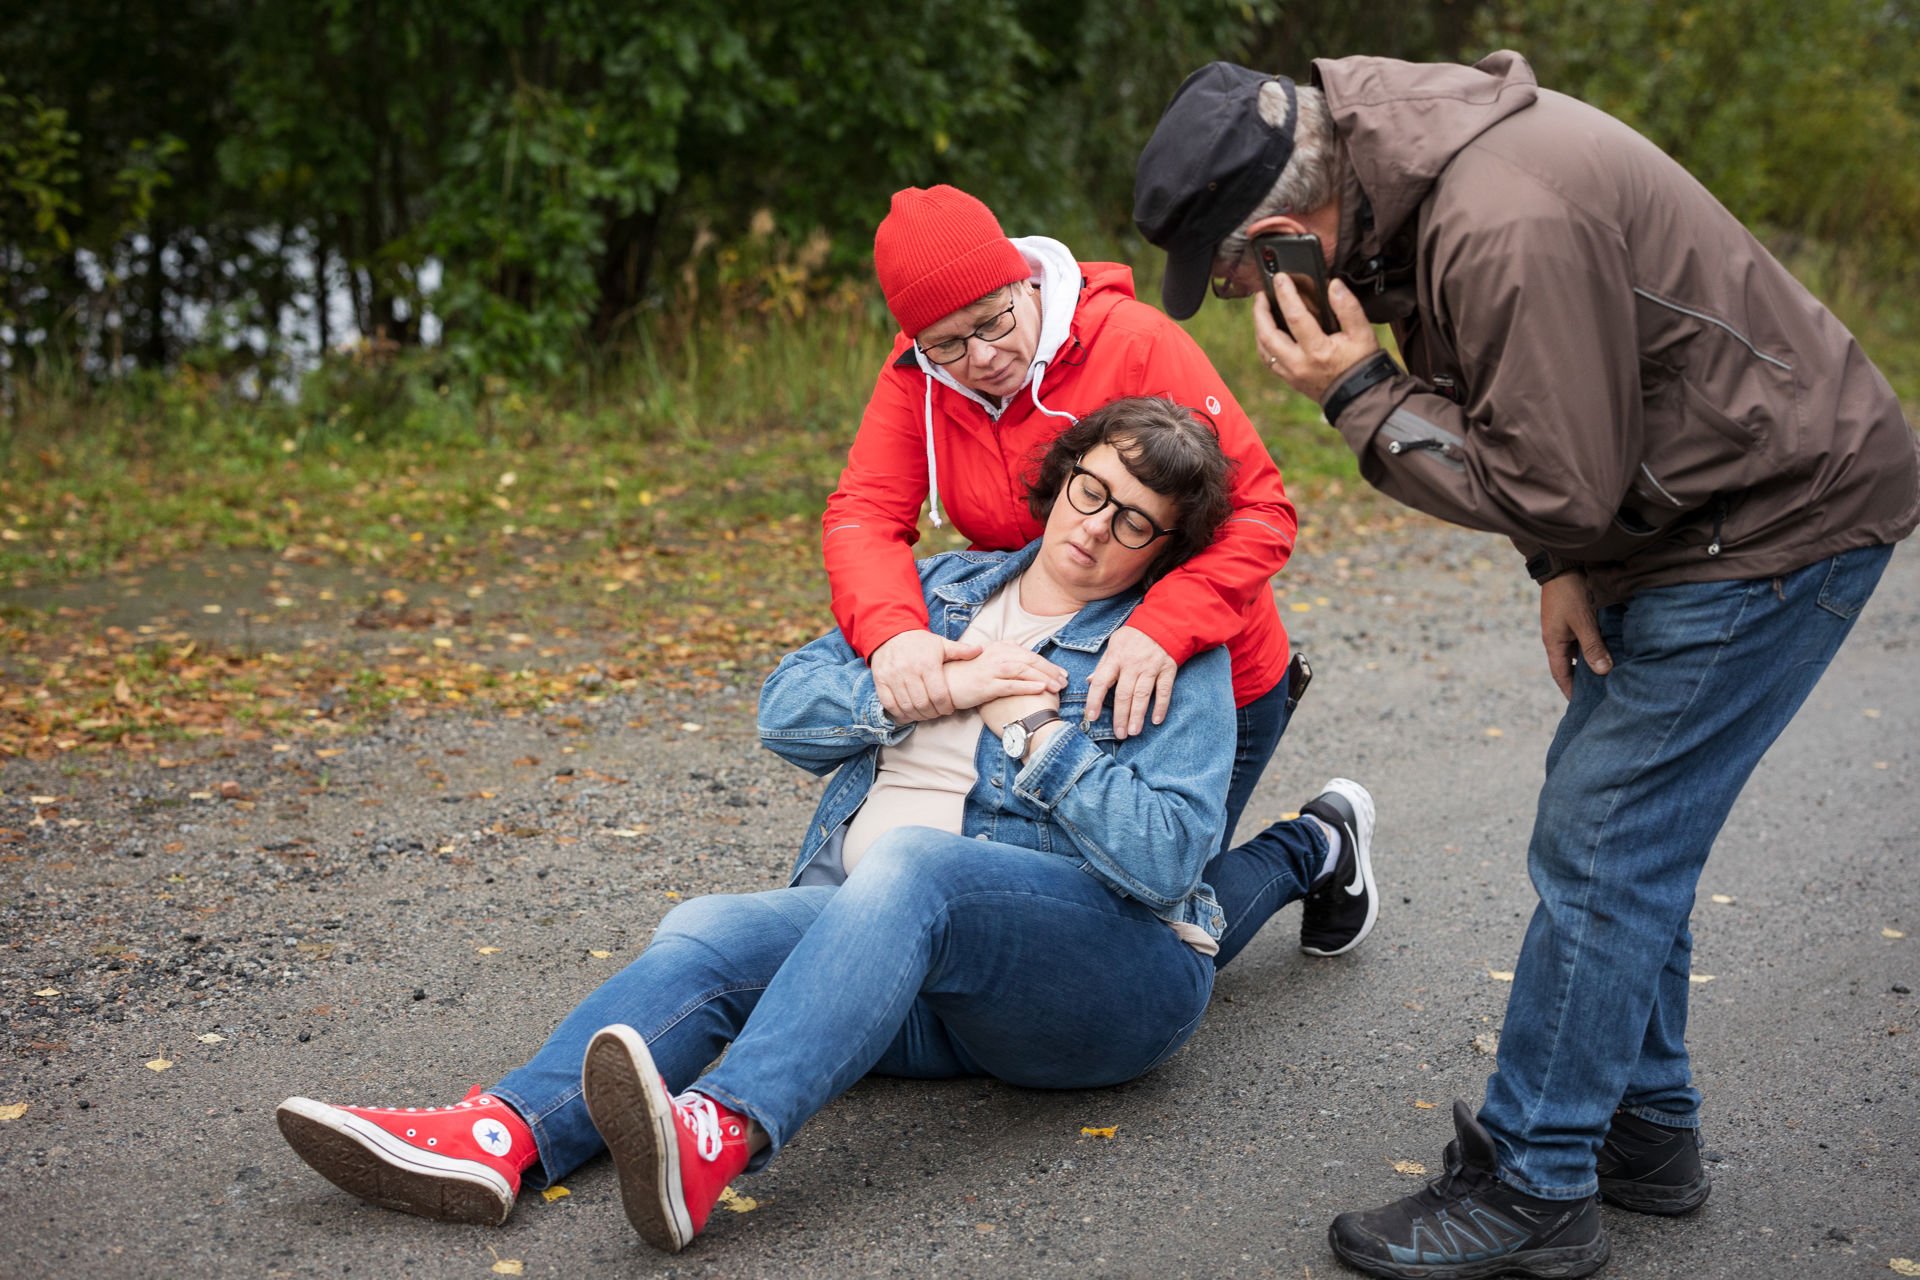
x: 1466, y: 1223
x: 1652, y: 1168
x: 1337, y: 916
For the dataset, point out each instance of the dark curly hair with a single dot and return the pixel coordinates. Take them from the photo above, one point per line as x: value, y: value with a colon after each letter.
x: 1173, y: 450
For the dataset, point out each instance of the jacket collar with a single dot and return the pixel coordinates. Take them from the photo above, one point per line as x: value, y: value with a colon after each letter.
x: 1086, y: 631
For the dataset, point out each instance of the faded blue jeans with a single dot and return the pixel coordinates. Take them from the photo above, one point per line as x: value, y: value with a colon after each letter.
x: 939, y: 956
x: 1642, y: 772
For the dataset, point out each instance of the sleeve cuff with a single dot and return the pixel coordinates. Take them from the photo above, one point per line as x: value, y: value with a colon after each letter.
x: 1048, y: 776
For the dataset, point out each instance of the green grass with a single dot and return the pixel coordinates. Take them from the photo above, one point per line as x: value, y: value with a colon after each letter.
x: 723, y: 423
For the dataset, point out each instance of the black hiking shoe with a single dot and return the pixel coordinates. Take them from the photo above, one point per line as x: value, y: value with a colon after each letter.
x: 1652, y: 1168
x: 1467, y: 1223
x: 1335, y: 917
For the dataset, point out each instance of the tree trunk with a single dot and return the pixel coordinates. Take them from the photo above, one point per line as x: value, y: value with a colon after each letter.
x: 626, y: 265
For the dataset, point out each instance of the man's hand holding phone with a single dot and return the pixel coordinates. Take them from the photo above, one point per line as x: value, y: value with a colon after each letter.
x: 1314, y: 363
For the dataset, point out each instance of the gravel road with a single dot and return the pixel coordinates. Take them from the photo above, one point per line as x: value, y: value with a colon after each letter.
x: 409, y: 914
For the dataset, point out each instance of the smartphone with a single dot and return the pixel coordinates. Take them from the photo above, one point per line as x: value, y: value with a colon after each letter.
x: 1299, y: 676
x: 1301, y: 259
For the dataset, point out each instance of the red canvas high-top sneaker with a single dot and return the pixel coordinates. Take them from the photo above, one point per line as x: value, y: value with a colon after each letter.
x: 674, y: 1155
x: 459, y: 1164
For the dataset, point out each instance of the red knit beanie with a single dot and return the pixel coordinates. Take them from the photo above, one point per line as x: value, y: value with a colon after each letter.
x: 938, y: 250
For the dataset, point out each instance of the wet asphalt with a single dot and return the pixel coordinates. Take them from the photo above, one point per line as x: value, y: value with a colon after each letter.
x: 324, y: 916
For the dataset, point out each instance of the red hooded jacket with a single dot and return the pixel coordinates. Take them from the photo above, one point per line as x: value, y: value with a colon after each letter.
x: 1118, y: 346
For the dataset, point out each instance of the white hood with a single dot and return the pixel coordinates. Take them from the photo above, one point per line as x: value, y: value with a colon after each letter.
x: 1057, y: 273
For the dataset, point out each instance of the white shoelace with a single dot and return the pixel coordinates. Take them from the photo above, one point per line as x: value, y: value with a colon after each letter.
x: 698, y: 1113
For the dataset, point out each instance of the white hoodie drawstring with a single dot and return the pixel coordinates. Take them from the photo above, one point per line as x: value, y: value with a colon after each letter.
x: 933, y: 467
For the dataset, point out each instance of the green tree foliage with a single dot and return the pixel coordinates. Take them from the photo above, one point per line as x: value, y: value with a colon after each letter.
x: 1803, y: 117
x: 536, y: 176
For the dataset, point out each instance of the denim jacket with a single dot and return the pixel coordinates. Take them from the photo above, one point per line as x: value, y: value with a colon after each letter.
x: 1142, y: 815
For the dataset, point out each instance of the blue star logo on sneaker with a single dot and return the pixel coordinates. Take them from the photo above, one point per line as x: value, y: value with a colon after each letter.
x: 492, y: 1137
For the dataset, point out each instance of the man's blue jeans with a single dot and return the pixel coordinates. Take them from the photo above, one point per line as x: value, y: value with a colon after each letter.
x: 1642, y: 772
x: 939, y: 956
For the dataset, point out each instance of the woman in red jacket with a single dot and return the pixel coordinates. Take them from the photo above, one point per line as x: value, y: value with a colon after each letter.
x: 1003, y: 344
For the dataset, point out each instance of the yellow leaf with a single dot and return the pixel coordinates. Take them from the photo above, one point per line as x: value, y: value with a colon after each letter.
x: 1412, y: 1167
x: 1700, y: 978
x: 601, y: 955
x: 1495, y: 733
x: 1423, y: 1104
x: 489, y: 951
x: 1500, y: 975
x: 159, y: 1064
x: 1871, y: 713
x: 673, y: 894
x: 1108, y: 1132
x: 45, y: 799
x: 690, y: 727
x: 1892, y: 933
x: 737, y: 1202
x: 554, y: 1193
x: 122, y: 691
x: 1903, y: 1266
x: 12, y: 1110
x: 48, y: 991
x: 509, y: 1267
x: 212, y: 1037
x: 1301, y: 606
x: 1723, y: 899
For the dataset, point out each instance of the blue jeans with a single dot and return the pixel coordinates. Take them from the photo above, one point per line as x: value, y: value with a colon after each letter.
x: 1253, y: 880
x: 1642, y: 772
x: 939, y: 956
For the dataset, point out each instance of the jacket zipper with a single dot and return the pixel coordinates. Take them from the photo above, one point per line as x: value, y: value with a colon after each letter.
x: 1719, y: 519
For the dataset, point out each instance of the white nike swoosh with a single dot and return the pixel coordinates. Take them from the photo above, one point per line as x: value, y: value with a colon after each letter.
x: 1359, y: 885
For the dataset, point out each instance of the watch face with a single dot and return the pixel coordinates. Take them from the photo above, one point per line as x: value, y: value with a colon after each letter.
x: 1014, y: 740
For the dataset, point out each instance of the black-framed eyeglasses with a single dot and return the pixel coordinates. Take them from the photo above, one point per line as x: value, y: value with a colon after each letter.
x: 1237, y: 277
x: 994, y: 328
x: 1132, y: 527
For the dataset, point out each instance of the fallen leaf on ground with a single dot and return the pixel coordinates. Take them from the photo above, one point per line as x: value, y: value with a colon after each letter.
x: 601, y: 955
x: 984, y: 1228
x: 1723, y: 899
x: 1413, y: 1167
x: 159, y: 1064
x: 489, y: 951
x: 212, y: 1037
x: 509, y: 1267
x: 1487, y: 1042
x: 1892, y: 933
x: 1871, y: 713
x: 1500, y: 975
x: 691, y: 727
x: 44, y: 799
x: 1496, y: 733
x: 1423, y: 1104
x: 48, y: 991
x: 737, y: 1202
x: 1903, y: 1266
x: 12, y: 1110
x: 554, y: 1193
x: 1700, y: 978
x: 629, y: 832
x: 1087, y: 1131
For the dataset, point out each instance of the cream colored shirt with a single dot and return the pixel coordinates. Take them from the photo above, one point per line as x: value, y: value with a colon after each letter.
x: 924, y: 781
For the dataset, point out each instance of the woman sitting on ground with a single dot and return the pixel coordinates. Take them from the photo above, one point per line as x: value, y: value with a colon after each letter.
x: 1003, y: 891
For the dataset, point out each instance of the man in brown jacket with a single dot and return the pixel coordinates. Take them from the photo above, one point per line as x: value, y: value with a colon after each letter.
x: 1695, y: 460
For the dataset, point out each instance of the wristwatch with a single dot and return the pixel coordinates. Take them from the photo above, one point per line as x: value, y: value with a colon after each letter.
x: 1014, y: 738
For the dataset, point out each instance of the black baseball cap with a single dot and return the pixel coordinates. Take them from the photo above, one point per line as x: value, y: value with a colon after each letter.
x: 1210, y: 162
